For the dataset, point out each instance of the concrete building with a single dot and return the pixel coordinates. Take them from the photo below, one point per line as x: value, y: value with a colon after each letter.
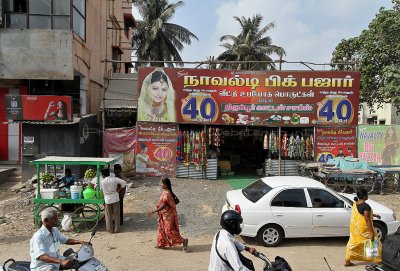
x: 383, y: 115
x: 58, y: 47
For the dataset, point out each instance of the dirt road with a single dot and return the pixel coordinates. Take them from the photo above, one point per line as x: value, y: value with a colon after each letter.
x: 199, y: 210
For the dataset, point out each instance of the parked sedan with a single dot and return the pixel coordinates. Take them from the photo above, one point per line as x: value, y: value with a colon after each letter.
x: 274, y: 208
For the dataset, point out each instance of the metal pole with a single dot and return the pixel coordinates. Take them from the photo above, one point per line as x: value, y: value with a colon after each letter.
x: 279, y: 151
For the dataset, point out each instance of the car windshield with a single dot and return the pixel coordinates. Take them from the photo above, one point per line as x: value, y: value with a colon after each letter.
x: 256, y: 190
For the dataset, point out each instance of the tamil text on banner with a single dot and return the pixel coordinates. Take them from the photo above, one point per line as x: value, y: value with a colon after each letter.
x: 120, y: 143
x: 379, y: 145
x: 156, y: 149
x: 335, y: 142
x: 270, y: 98
x: 40, y: 108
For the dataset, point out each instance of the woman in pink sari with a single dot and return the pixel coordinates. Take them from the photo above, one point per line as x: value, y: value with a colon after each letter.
x: 168, y: 226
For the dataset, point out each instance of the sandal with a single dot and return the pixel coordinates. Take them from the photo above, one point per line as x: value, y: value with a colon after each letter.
x: 349, y: 264
x: 185, y: 245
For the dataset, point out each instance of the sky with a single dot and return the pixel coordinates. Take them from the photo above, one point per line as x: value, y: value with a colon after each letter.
x: 308, y: 30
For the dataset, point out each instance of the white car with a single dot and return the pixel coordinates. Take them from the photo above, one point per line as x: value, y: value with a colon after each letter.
x: 274, y: 208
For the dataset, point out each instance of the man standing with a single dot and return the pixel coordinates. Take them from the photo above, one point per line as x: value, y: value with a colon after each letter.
x: 109, y: 185
x: 45, y: 244
x: 225, y: 250
x: 122, y: 190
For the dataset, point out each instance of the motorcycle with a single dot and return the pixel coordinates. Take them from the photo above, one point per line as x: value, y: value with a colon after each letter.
x: 280, y: 264
x: 83, y: 260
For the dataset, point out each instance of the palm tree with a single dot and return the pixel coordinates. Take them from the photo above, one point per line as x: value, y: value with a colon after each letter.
x: 155, y: 38
x: 250, y: 45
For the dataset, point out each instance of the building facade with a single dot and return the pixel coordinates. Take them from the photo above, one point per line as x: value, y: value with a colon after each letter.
x: 60, y: 47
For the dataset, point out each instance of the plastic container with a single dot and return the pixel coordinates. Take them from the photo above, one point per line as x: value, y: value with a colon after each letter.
x: 89, y: 192
x: 76, y: 191
x: 48, y: 193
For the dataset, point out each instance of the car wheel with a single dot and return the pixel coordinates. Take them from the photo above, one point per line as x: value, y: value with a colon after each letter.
x: 270, y: 235
x: 380, y: 230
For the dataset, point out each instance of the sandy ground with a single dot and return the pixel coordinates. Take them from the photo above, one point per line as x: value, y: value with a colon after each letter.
x: 133, y: 248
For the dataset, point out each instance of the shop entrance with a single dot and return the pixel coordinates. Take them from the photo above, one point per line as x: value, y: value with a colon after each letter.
x: 243, y: 151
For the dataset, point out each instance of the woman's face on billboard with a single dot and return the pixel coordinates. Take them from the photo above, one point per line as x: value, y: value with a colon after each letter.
x: 159, y: 91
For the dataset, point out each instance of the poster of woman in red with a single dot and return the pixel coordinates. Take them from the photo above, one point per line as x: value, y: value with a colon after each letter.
x: 156, y: 149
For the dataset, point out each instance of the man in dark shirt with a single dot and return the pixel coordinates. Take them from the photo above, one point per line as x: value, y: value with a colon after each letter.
x: 68, y: 179
x: 340, y: 154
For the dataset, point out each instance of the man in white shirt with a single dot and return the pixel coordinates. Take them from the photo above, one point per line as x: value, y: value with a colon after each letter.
x: 45, y: 244
x: 110, y: 187
x: 225, y: 248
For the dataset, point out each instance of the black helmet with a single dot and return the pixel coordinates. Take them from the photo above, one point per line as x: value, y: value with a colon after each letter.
x: 230, y: 221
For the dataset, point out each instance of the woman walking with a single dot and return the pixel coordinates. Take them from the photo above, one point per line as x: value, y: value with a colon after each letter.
x: 168, y: 226
x: 361, y: 230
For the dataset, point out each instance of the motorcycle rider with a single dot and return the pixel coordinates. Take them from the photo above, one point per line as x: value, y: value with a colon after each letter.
x: 225, y: 250
x: 45, y: 244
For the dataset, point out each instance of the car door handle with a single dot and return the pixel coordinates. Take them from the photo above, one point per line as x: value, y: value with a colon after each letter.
x: 279, y: 214
x: 319, y: 215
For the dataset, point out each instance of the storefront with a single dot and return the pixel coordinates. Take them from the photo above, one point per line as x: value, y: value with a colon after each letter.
x: 245, y: 122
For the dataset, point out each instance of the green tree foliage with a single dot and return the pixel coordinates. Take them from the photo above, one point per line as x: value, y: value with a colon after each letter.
x: 155, y: 38
x: 252, y: 44
x: 376, y: 52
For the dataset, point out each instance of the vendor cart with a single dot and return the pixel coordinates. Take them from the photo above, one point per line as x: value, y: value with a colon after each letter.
x: 87, y: 215
x: 388, y: 181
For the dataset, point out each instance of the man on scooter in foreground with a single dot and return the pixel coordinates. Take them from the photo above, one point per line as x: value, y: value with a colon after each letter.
x: 45, y: 244
x: 225, y: 250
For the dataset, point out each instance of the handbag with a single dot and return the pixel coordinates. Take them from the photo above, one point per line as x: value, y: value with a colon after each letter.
x: 245, y: 261
x: 371, y: 249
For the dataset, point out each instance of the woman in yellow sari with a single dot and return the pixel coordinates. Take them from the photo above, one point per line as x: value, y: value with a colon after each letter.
x: 361, y: 230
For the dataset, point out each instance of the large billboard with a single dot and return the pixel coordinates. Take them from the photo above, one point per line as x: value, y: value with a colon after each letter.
x: 379, y: 145
x: 263, y: 98
x: 156, y: 149
x: 41, y: 108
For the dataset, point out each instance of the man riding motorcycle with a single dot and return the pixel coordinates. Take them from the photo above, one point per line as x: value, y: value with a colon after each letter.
x: 225, y: 251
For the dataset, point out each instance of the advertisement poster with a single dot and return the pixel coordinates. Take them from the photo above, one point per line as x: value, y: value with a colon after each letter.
x: 41, y: 108
x: 263, y: 98
x: 335, y: 142
x: 156, y: 149
x: 379, y: 145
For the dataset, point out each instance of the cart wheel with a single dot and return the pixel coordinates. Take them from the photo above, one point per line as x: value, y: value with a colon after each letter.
x: 390, y: 184
x: 41, y: 207
x: 85, y: 218
x: 337, y: 184
x: 366, y: 183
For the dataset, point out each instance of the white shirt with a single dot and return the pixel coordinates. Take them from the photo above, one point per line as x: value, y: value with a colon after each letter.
x: 109, y: 186
x: 46, y: 242
x: 226, y: 246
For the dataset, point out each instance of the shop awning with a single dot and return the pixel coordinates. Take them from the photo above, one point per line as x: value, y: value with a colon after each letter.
x: 129, y: 21
x: 121, y: 92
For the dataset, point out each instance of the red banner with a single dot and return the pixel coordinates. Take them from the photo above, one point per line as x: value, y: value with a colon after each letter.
x: 156, y: 149
x: 32, y: 107
x: 264, y: 98
x: 335, y: 142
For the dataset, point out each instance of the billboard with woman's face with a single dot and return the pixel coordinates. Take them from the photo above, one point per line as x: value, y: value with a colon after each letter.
x: 379, y: 145
x: 262, y: 98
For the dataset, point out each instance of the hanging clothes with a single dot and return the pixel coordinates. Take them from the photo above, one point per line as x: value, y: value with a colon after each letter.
x: 272, y: 141
x: 284, y: 150
x: 291, y: 147
x: 302, y: 148
x: 266, y: 143
x: 297, y: 147
x: 312, y: 146
x: 179, y: 147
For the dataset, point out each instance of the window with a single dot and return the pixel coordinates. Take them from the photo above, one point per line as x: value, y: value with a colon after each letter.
x: 290, y: 198
x: 323, y: 199
x: 116, y: 55
x: 79, y: 18
x: 256, y: 190
x: 39, y: 14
